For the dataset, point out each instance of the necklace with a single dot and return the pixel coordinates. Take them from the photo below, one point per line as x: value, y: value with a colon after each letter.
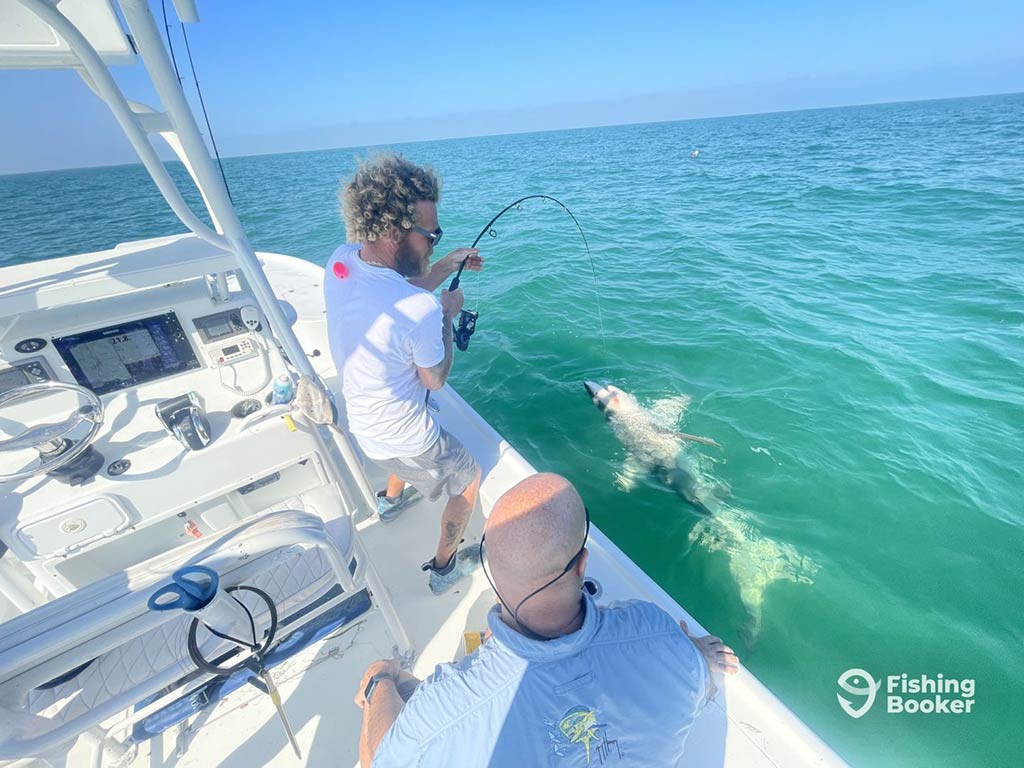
x: 372, y: 262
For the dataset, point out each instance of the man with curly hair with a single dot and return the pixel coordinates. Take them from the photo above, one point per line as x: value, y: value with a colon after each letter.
x: 391, y: 340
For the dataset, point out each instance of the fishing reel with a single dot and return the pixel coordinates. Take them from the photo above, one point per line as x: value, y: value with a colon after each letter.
x: 465, y: 329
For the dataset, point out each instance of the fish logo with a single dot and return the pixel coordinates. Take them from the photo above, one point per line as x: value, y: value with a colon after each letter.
x: 859, y: 683
x: 579, y: 726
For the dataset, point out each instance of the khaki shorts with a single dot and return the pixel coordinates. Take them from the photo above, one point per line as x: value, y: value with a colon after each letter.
x: 445, y: 467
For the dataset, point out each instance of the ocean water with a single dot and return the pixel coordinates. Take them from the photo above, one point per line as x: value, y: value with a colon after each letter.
x: 840, y: 294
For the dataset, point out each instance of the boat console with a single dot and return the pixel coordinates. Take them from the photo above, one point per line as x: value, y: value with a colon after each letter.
x: 162, y: 389
x: 142, y: 437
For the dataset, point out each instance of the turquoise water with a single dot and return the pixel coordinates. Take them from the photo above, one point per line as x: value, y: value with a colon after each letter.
x: 841, y: 294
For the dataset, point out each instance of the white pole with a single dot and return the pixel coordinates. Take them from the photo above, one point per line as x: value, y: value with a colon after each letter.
x: 149, y: 44
x: 151, y: 47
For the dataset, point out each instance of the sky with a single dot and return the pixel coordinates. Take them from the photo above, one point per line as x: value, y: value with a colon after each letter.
x: 280, y: 77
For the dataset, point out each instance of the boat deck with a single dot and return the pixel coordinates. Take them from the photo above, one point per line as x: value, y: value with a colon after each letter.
x: 744, y: 726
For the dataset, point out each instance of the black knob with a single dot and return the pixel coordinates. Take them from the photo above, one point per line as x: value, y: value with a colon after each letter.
x: 118, y: 467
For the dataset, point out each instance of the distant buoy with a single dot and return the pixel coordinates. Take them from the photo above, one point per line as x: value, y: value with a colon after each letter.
x: 695, y: 153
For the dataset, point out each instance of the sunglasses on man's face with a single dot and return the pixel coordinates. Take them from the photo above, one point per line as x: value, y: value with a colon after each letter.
x: 434, y: 237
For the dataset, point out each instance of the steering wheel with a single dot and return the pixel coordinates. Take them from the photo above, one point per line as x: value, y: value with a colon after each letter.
x: 48, y: 439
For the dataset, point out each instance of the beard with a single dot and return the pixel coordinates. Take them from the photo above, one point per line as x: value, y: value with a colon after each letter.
x: 408, y: 263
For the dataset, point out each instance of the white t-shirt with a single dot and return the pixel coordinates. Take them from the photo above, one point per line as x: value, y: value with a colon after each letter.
x: 381, y: 328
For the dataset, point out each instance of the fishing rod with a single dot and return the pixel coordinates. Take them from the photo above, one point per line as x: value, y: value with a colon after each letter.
x: 467, y: 317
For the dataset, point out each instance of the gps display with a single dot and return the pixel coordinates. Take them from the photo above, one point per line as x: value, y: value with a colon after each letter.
x: 108, y: 359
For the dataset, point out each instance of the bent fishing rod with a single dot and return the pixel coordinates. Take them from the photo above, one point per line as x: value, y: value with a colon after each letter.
x: 467, y: 318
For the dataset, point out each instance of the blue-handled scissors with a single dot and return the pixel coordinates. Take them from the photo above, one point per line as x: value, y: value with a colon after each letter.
x: 189, y: 594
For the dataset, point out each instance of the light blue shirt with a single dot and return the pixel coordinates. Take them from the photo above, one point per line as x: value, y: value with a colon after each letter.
x: 621, y: 691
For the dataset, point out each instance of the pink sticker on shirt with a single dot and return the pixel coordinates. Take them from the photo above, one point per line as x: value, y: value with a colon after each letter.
x: 340, y: 270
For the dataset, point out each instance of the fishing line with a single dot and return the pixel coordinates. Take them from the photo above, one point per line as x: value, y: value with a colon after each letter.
x: 195, y: 79
x: 467, y: 318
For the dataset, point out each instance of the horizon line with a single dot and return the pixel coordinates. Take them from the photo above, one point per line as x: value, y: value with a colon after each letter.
x: 514, y: 133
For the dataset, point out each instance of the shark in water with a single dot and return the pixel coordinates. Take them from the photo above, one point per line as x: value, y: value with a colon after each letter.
x: 655, y: 448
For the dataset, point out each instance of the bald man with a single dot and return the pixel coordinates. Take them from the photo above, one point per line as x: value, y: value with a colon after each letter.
x: 561, y: 682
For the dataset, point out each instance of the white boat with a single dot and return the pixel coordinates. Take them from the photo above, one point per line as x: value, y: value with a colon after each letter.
x: 105, y: 495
